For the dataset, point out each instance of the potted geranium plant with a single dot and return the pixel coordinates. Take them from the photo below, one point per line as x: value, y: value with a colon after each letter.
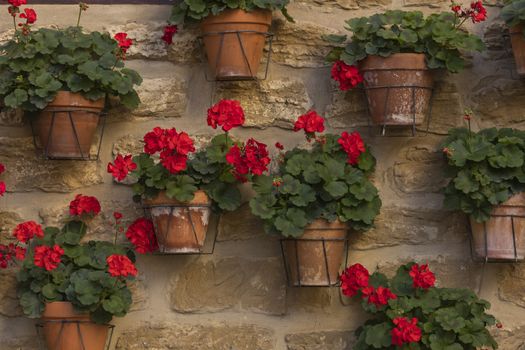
x: 394, y: 52
x: 234, y: 32
x: 487, y: 183
x: 65, y: 75
x: 409, y: 312
x: 314, y: 197
x: 179, y: 185
x: 513, y: 13
x: 74, y: 287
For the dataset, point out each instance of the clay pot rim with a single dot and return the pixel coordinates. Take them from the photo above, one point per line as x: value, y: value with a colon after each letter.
x: 166, y: 201
x: 84, y: 103
x: 258, y: 16
x: 394, y: 61
x: 62, y: 310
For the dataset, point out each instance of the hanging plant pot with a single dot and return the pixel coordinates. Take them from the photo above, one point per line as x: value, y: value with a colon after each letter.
x: 180, y: 227
x: 398, y: 88
x: 67, y: 126
x: 315, y: 258
x: 65, y: 329
x: 517, y: 39
x: 502, y: 237
x: 234, y: 42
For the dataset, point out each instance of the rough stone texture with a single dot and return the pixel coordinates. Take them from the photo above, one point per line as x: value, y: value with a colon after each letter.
x: 162, y: 97
x: 272, y: 102
x: 347, y: 109
x: 333, y: 340
x: 310, y: 299
x: 447, y: 107
x: 8, y: 300
x: 330, y: 5
x: 396, y: 225
x: 512, y: 284
x: 11, y: 117
x: 25, y: 343
x: 513, y: 339
x: 196, y: 337
x: 239, y: 225
x: 8, y: 221
x: 497, y: 41
x: 28, y: 171
x: 256, y: 285
x: 428, y: 3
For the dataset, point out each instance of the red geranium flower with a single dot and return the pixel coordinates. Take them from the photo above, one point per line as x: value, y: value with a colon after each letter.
x: 27, y: 230
x: 180, y: 142
x: 123, y: 42
x: 117, y: 215
x: 155, y: 140
x: 353, y: 145
x: 141, y: 234
x: 378, y: 296
x: 253, y: 158
x: 2, y: 168
x: 121, y: 167
x: 20, y: 253
x: 120, y: 266
x: 169, y: 32
x: 311, y: 122
x: 174, y: 163
x: 17, y: 3
x: 279, y: 146
x: 405, y: 331
x: 422, y: 276
x: 48, y: 257
x: 354, y: 279
x: 84, y: 205
x: 29, y: 15
x: 478, y: 13
x: 235, y: 158
x: 227, y: 113
x: 2, y: 188
x: 347, y: 76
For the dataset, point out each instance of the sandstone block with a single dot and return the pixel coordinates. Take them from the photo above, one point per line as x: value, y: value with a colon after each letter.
x: 240, y: 224
x: 333, y: 340
x: 512, y: 284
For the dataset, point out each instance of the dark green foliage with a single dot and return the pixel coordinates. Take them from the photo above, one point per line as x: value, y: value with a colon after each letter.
x: 513, y: 13
x: 384, y: 34
x: 317, y: 183
x: 34, y: 67
x: 486, y: 168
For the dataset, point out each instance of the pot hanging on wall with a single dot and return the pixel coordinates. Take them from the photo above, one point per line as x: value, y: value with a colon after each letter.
x: 67, y: 126
x: 315, y: 258
x: 398, y: 88
x: 517, y: 38
x: 234, y: 42
x: 180, y: 227
x: 65, y: 329
x: 502, y: 237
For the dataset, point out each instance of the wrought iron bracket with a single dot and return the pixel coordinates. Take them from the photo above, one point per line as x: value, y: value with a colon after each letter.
x: 40, y: 325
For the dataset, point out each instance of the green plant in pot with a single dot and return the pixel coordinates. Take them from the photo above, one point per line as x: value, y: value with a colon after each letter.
x: 513, y: 13
x: 65, y: 75
x: 393, y: 54
x: 75, y: 286
x: 180, y: 185
x: 487, y: 172
x: 314, y: 197
x: 408, y: 311
x: 233, y: 32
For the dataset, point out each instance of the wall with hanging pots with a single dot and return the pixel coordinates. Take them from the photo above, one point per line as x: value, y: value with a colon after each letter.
x: 238, y: 297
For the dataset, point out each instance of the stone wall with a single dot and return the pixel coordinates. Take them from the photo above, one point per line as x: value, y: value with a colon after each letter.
x: 237, y: 298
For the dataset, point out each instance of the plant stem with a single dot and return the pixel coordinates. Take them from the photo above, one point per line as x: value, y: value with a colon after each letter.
x: 14, y: 23
x: 79, y: 15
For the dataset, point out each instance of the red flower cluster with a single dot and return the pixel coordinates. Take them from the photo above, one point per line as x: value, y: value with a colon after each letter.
x: 27, y: 230
x: 141, y: 234
x: 120, y: 266
x: 84, y: 205
x: 354, y: 279
x: 121, y: 167
x: 279, y: 146
x: 378, y: 296
x: 8, y: 252
x: 476, y: 12
x: 29, y: 15
x: 347, y: 76
x: 310, y: 122
x: 174, y: 147
x: 17, y: 3
x: 2, y: 184
x: 405, y: 332
x: 124, y: 43
x: 169, y: 32
x: 48, y: 257
x: 353, y: 145
x: 251, y: 159
x: 422, y: 276
x: 227, y: 113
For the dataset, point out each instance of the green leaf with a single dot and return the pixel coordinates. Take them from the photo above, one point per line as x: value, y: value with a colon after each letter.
x: 378, y: 335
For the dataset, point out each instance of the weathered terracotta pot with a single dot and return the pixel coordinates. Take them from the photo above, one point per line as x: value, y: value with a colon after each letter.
x: 312, y: 263
x: 71, y: 335
x: 180, y: 227
x: 61, y: 141
x: 235, y: 55
x: 398, y: 88
x: 518, y: 47
x: 499, y: 243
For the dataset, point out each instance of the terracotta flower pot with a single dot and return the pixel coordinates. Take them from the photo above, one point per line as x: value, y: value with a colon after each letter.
x: 57, y: 135
x: 398, y: 88
x: 235, y: 55
x: 64, y: 329
x: 502, y: 231
x: 518, y: 47
x: 312, y: 263
x: 180, y: 227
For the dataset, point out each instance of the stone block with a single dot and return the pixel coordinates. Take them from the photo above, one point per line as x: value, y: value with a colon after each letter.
x: 8, y: 300
x: 162, y: 98
x: 512, y: 284
x: 240, y: 224
x: 324, y: 340
x: 513, y: 339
